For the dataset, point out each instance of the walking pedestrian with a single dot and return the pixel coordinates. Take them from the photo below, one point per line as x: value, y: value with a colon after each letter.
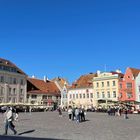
x: 59, y: 111
x: 9, y: 121
x: 70, y: 112
x: 77, y: 115
x: 125, y: 113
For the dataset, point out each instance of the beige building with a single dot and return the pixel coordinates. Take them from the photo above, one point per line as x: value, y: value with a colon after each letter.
x: 105, y: 87
x: 12, y: 84
x: 81, y: 92
x: 42, y: 93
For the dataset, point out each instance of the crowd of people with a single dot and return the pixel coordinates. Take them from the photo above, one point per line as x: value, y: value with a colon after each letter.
x: 74, y: 113
x: 118, y: 110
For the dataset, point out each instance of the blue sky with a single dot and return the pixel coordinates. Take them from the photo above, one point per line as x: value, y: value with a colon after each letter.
x: 69, y: 38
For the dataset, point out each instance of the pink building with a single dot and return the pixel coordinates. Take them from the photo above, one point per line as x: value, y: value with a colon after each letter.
x: 127, y: 86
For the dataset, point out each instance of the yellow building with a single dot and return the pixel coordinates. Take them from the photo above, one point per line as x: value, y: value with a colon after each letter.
x: 105, y: 87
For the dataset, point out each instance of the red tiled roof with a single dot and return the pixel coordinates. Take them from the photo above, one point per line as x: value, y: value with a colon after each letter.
x: 120, y: 74
x: 48, y: 87
x: 84, y: 81
x: 10, y: 64
x: 135, y: 72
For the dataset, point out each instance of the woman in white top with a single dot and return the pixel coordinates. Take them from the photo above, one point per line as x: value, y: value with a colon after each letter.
x: 70, y: 113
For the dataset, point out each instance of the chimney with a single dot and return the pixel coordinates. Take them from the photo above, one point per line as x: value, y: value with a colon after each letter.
x: 33, y: 76
x: 118, y: 71
x: 98, y: 72
x: 45, y: 78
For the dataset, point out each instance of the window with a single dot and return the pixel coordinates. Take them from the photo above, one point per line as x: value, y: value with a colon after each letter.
x: 50, y: 97
x: 87, y: 95
x: 98, y: 96
x: 91, y: 95
x: 108, y: 94
x: 77, y: 96
x: 129, y: 85
x: 14, y: 91
x: 21, y: 91
x: 114, y: 84
x: 139, y: 88
x: 129, y: 95
x: 103, y: 95
x: 70, y: 96
x: 108, y: 83
x: 97, y: 84
x: 114, y: 94
x: 102, y: 84
x: 2, y: 79
x: 73, y: 96
x: 1, y: 67
x: 14, y: 81
x: 120, y: 86
x: 84, y: 95
x: 34, y: 96
x: 22, y: 82
x: 44, y: 97
x: 80, y: 95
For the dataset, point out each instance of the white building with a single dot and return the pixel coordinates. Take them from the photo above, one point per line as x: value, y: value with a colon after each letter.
x: 12, y: 84
x: 80, y: 94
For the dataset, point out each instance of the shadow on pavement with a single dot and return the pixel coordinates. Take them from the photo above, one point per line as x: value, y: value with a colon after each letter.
x: 24, y: 138
x: 26, y: 132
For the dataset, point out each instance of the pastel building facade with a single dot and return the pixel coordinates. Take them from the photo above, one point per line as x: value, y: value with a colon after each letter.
x: 129, y: 86
x: 42, y: 94
x: 63, y: 85
x: 106, y: 89
x: 80, y: 94
x: 12, y: 84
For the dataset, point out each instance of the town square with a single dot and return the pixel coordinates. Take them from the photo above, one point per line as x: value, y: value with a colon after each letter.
x: 98, y: 126
x: 69, y: 70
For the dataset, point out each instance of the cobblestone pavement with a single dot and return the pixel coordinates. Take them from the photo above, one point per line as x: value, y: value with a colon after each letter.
x: 99, y: 126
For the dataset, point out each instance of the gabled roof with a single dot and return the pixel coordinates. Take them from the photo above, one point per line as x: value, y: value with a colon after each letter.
x: 5, y: 62
x: 47, y: 87
x: 84, y: 81
x: 135, y: 71
x: 61, y: 81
